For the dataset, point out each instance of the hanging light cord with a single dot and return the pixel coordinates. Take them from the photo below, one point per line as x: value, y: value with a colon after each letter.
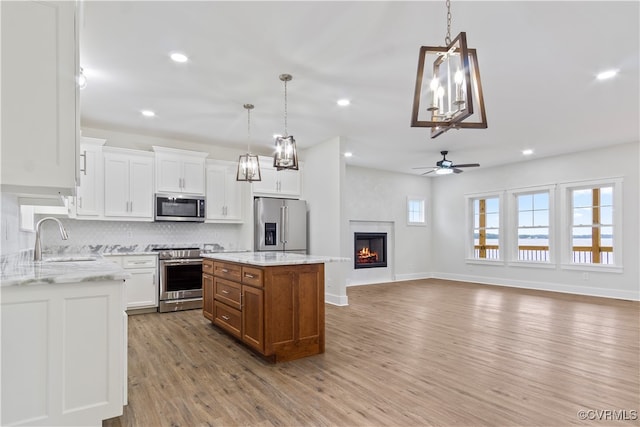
x: 447, y: 39
x: 285, y: 109
x: 249, y: 130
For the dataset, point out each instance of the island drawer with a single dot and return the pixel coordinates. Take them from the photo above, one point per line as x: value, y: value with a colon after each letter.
x: 227, y: 318
x: 139, y: 261
x: 207, y: 266
x: 227, y: 270
x: 227, y: 292
x: 252, y: 276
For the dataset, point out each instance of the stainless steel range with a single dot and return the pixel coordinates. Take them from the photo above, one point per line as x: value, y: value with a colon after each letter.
x: 180, y: 279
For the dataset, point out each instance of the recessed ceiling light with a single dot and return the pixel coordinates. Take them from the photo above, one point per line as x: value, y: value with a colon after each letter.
x: 147, y: 113
x: 343, y: 102
x: 179, y: 57
x: 607, y: 74
x: 527, y: 152
x: 348, y: 154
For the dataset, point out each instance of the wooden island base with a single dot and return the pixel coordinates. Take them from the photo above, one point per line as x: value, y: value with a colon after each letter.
x: 278, y: 311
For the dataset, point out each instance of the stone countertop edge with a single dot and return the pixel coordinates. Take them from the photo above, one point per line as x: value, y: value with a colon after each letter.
x: 267, y: 259
x: 43, y: 272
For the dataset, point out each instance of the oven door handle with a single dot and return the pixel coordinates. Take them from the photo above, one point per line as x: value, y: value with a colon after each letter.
x: 181, y: 262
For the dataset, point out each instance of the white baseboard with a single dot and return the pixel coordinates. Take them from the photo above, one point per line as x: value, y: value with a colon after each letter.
x: 341, y: 300
x: 412, y: 276
x: 543, y: 286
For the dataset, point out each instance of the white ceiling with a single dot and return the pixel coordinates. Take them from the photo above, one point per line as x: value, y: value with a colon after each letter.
x: 538, y: 62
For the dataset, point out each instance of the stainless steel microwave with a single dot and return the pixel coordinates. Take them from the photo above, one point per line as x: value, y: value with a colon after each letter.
x: 177, y: 207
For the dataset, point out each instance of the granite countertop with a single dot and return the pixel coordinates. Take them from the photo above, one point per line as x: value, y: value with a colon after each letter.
x: 68, y: 269
x: 268, y: 259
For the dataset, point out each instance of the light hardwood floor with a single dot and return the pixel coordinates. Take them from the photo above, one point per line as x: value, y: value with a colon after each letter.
x: 414, y: 353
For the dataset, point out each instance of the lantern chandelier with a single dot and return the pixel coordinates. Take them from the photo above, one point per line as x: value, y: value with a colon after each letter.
x: 286, y: 156
x: 448, y: 90
x: 248, y: 164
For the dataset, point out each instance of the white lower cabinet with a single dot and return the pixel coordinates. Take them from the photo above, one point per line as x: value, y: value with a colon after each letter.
x: 225, y: 195
x: 141, y: 289
x: 63, y: 353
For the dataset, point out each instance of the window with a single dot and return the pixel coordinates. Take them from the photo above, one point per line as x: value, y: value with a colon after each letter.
x: 593, y: 224
x: 533, y: 226
x: 415, y: 211
x: 486, y: 227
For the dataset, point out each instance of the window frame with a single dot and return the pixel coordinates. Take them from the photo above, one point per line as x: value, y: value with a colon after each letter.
x: 423, y: 201
x: 469, y: 240
x: 566, y: 254
x: 513, y: 233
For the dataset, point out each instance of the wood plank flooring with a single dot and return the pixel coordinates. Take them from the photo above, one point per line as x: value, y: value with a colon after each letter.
x: 414, y: 353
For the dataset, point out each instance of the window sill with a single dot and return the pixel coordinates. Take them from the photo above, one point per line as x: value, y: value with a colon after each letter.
x: 484, y: 261
x: 594, y: 267
x: 532, y: 264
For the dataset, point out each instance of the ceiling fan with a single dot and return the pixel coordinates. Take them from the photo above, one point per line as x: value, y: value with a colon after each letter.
x: 445, y: 166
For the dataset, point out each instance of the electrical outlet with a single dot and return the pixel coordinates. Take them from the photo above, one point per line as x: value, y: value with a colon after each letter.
x: 585, y: 276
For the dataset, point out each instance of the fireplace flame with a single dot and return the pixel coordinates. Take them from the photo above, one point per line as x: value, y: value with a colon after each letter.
x: 366, y: 256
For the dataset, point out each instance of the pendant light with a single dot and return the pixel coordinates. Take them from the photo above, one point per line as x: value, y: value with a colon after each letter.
x: 286, y: 156
x: 448, y: 90
x: 248, y: 164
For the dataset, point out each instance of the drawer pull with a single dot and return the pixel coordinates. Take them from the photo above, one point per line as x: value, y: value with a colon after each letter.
x: 224, y: 291
x: 225, y: 317
x: 250, y: 276
x: 224, y: 270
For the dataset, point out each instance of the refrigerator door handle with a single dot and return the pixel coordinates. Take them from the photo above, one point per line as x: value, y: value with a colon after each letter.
x: 284, y: 223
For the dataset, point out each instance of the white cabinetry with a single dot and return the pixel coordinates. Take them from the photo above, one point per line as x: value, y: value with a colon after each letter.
x: 128, y: 184
x: 63, y: 353
x: 284, y: 183
x: 90, y: 191
x: 141, y: 289
x: 40, y: 126
x: 179, y: 171
x: 225, y: 195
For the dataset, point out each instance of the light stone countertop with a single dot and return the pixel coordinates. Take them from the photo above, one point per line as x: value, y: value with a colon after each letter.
x: 269, y: 259
x: 69, y: 269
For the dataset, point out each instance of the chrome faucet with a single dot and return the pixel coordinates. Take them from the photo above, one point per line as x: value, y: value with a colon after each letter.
x: 37, y: 250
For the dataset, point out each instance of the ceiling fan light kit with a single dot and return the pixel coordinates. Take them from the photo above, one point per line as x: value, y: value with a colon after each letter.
x: 286, y: 155
x: 248, y: 164
x: 446, y: 167
x: 448, y: 90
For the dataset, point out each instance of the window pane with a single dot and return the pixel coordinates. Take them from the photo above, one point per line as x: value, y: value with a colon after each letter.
x: 541, y: 218
x: 476, y: 237
x: 581, y: 236
x: 476, y: 221
x: 525, y: 219
x: 493, y: 220
x: 541, y: 201
x: 606, y: 215
x: 492, y: 205
x: 606, y: 236
x: 582, y: 216
x: 582, y: 198
x: 525, y: 202
x: 606, y: 196
x: 533, y: 237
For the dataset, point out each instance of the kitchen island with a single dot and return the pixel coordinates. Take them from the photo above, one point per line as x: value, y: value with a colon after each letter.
x: 273, y: 302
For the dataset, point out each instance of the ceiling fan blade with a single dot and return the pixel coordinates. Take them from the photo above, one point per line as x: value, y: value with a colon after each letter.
x: 466, y: 165
x: 423, y: 167
x: 456, y: 170
x: 427, y: 172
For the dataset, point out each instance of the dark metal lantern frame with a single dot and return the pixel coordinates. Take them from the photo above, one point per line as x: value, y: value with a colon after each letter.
x: 472, y: 85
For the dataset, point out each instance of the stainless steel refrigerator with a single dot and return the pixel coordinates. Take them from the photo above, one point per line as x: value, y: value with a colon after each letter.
x: 280, y: 225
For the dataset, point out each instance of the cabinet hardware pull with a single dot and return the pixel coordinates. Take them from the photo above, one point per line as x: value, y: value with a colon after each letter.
x: 224, y: 270
x: 250, y: 276
x: 80, y: 202
x: 84, y: 158
x: 225, y: 317
x: 224, y: 291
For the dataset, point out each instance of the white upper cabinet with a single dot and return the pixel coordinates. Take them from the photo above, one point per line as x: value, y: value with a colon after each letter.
x: 283, y: 183
x: 90, y: 191
x: 128, y: 184
x: 40, y: 120
x: 225, y: 195
x: 179, y: 171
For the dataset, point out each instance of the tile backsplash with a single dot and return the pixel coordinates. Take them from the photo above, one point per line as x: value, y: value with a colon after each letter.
x: 129, y: 233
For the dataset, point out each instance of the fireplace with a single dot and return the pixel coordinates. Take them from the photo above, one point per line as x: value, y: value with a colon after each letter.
x: 370, y: 250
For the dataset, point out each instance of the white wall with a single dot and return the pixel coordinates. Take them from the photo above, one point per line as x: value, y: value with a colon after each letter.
x: 13, y: 240
x: 374, y: 195
x: 323, y: 177
x: 448, y: 210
